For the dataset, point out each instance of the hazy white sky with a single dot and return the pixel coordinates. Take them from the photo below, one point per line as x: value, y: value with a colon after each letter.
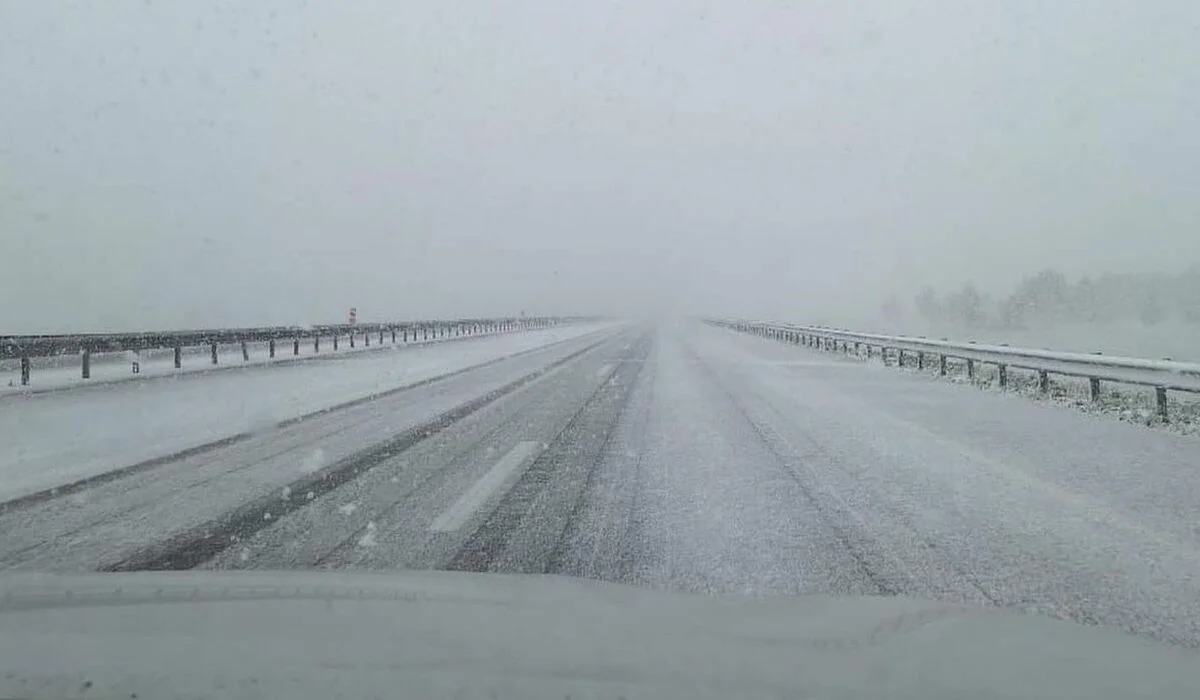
x: 174, y: 164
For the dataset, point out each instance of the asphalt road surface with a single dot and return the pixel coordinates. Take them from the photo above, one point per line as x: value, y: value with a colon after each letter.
x: 685, y: 457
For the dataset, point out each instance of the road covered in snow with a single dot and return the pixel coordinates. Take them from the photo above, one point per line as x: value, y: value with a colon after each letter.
x: 675, y: 456
x: 55, y: 438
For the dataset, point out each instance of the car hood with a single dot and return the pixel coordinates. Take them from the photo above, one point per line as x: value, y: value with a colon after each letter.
x: 445, y: 634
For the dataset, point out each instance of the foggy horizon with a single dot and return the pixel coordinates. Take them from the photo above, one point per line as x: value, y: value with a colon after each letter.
x: 172, y: 166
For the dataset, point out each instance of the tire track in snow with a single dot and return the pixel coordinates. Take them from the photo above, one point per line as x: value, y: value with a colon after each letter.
x: 200, y: 543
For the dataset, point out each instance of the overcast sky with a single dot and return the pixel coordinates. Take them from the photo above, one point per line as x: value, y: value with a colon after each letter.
x: 171, y: 164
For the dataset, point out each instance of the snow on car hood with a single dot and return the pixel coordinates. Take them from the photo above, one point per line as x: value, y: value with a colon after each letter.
x: 443, y: 634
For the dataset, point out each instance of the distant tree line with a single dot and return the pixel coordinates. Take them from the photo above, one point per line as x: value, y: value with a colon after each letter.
x: 1049, y: 297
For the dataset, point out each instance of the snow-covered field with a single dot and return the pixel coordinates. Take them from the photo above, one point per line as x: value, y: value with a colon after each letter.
x: 48, y: 439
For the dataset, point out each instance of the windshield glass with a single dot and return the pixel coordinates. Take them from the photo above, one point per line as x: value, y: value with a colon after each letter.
x: 750, y: 300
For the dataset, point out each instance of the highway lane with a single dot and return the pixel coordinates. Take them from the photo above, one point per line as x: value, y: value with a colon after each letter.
x: 686, y: 457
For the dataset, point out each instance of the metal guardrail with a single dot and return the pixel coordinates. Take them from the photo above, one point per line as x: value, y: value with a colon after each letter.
x: 1162, y: 375
x: 27, y: 347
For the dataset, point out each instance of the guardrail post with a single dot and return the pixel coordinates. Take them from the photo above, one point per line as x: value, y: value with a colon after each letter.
x: 351, y: 338
x: 178, y: 357
x: 404, y: 332
x: 970, y: 368
x: 271, y: 349
x: 899, y: 357
x: 87, y: 364
x: 1043, y: 381
x: 941, y: 365
x: 1160, y: 398
x: 25, y: 370
x: 367, y: 339
x: 335, y: 342
x: 245, y: 352
x: 316, y: 344
x: 1003, y: 372
x: 1094, y: 387
x: 393, y: 336
x: 920, y: 360
x: 213, y: 348
x: 295, y: 346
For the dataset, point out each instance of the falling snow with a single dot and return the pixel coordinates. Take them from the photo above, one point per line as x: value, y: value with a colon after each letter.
x: 368, y: 538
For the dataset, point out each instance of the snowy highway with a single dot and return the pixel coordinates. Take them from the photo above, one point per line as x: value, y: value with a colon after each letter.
x: 677, y: 455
